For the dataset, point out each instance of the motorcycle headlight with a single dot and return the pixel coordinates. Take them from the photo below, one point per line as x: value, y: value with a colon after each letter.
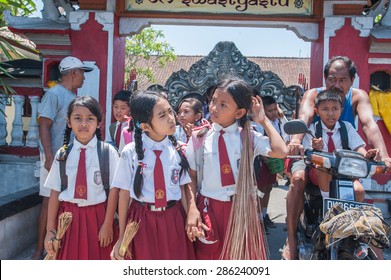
x: 353, y: 167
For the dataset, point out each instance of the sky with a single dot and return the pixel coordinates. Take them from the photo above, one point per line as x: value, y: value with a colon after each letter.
x: 251, y: 41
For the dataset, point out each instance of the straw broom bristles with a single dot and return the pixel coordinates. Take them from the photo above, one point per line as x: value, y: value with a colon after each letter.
x: 244, y: 239
x: 64, y: 220
x: 130, y: 231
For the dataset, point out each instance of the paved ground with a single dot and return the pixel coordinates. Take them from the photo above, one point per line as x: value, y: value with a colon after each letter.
x: 276, y: 237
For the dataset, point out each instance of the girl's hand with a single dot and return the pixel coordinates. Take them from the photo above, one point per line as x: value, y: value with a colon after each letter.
x: 48, y: 243
x: 257, y: 110
x: 317, y: 144
x: 188, y: 129
x: 105, y: 235
x: 194, y: 226
x: 114, y: 255
x: 373, y: 154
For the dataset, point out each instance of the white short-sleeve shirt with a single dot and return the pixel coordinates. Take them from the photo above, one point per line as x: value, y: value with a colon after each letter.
x: 211, y: 182
x: 127, y: 166
x: 355, y: 141
x: 95, y: 191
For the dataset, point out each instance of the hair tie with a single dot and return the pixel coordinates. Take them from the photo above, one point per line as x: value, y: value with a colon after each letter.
x: 138, y: 124
x: 143, y: 166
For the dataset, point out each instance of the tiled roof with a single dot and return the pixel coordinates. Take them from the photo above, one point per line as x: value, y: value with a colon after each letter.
x: 287, y: 68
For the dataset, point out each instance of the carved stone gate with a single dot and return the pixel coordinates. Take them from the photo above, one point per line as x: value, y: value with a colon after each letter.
x: 226, y: 60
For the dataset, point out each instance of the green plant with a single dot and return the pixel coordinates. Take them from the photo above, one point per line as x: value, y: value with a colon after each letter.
x: 149, y: 42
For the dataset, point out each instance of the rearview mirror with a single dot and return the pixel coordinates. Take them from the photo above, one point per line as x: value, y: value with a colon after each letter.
x: 296, y: 127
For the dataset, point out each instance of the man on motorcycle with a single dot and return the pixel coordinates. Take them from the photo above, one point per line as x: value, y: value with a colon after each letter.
x: 339, y: 75
x: 329, y: 132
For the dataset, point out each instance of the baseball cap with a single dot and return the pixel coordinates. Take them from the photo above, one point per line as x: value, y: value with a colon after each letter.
x: 71, y: 62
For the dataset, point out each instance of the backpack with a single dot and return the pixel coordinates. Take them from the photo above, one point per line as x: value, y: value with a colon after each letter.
x: 343, y: 131
x: 104, y: 165
x: 198, y: 144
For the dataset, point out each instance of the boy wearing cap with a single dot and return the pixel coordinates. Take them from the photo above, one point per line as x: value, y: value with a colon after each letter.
x: 52, y: 120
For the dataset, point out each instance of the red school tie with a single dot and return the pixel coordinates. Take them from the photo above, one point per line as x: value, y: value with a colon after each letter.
x: 118, y: 135
x: 227, y: 177
x: 158, y: 178
x: 330, y: 144
x: 81, y: 177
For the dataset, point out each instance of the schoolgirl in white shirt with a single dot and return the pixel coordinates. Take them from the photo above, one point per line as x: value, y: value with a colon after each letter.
x: 231, y: 101
x: 156, y: 197
x: 92, y: 232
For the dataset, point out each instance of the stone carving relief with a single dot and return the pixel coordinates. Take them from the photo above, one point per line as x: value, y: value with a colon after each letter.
x: 225, y: 60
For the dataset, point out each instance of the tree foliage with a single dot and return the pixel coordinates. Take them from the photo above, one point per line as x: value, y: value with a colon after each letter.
x: 149, y: 42
x: 17, y: 8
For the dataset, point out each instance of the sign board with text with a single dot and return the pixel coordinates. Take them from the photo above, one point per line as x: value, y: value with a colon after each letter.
x: 230, y: 7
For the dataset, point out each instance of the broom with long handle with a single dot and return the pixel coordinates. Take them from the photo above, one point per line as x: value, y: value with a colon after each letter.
x: 64, y: 220
x: 244, y: 239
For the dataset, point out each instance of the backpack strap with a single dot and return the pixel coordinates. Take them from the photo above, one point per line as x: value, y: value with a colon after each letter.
x: 344, y: 136
x: 318, y: 130
x: 112, y: 128
x: 198, y: 148
x: 104, y: 164
x: 343, y: 132
x: 63, y: 174
x: 128, y: 137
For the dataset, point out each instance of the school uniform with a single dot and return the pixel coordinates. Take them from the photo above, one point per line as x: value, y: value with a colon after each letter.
x: 113, y: 130
x: 212, y: 193
x: 81, y: 239
x: 161, y: 234
x: 180, y: 134
x: 354, y: 141
x: 264, y: 177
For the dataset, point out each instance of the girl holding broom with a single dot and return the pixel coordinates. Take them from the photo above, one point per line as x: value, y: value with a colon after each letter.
x: 91, y: 234
x: 225, y: 215
x: 152, y: 171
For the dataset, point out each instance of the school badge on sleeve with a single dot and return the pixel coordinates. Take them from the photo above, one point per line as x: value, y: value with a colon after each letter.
x: 175, y: 176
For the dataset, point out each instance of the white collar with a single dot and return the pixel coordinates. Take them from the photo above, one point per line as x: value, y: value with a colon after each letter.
x: 229, y: 129
x: 92, y: 144
x: 150, y: 144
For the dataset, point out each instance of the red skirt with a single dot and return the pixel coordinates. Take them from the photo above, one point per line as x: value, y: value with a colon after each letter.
x: 218, y: 212
x: 161, y: 234
x: 80, y: 241
x: 265, y: 178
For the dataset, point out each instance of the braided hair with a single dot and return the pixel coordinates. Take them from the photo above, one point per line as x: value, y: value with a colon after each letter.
x: 142, y: 104
x: 91, y: 104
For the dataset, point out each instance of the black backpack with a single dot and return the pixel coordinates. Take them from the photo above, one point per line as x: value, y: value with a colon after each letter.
x: 343, y: 131
x: 104, y: 165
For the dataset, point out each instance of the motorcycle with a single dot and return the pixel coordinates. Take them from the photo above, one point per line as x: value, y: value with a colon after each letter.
x: 345, y: 166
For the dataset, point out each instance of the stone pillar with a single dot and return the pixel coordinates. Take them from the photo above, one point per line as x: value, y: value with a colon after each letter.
x: 17, y: 125
x: 33, y: 134
x: 3, y: 122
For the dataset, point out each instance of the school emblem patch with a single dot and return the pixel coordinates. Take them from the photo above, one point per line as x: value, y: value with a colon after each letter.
x: 175, y: 176
x: 226, y: 169
x: 159, y: 194
x: 97, y: 178
x: 80, y: 191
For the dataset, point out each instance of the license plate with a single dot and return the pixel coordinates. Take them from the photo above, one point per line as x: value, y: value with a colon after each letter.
x: 346, y: 204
